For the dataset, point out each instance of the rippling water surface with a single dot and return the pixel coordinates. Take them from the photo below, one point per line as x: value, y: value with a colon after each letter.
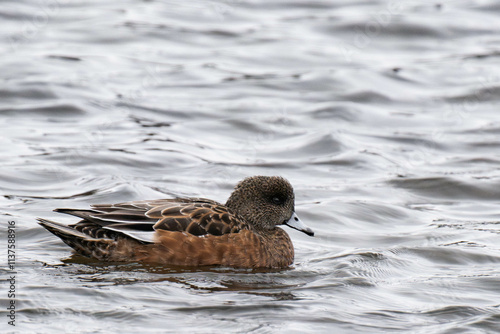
x: 383, y: 115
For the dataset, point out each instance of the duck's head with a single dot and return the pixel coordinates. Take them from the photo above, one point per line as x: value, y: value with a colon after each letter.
x: 265, y: 202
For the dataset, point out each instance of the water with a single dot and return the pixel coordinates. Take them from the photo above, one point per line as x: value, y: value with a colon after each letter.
x: 383, y: 115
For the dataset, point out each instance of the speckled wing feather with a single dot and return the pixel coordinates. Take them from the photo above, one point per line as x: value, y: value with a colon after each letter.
x: 140, y: 219
x: 197, y: 218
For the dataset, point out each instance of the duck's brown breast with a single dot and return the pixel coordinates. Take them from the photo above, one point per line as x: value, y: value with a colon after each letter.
x: 245, y: 249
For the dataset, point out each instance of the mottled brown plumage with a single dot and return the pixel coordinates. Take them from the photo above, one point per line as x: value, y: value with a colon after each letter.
x: 191, y: 231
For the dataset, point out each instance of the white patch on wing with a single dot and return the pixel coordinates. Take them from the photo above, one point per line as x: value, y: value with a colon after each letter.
x: 144, y: 236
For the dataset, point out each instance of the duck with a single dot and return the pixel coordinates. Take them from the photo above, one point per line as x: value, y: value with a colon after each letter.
x: 244, y: 232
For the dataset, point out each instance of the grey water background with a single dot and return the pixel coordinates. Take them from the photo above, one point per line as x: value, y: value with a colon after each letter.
x: 382, y: 114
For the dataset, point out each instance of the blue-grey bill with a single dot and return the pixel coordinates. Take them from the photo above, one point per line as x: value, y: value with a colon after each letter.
x: 297, y: 224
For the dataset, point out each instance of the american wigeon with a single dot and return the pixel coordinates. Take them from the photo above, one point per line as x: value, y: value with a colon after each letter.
x: 191, y: 231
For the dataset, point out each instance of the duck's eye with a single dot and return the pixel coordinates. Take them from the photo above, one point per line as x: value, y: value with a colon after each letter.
x: 277, y: 200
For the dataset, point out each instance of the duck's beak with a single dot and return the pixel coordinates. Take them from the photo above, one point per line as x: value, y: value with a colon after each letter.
x: 297, y: 224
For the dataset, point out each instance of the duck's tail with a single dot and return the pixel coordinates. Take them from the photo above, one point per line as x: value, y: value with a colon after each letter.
x: 87, y: 244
